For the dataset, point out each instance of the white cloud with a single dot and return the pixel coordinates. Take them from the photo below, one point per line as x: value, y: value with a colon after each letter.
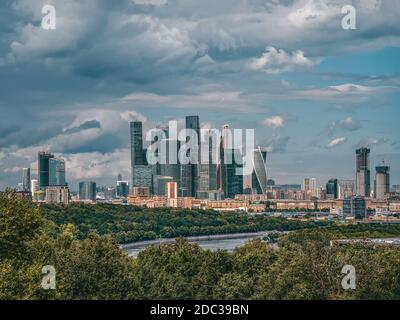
x: 336, y: 142
x: 276, y: 61
x: 274, y: 121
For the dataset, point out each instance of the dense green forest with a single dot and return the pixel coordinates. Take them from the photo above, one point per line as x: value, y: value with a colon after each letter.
x: 129, y: 224
x: 94, y: 267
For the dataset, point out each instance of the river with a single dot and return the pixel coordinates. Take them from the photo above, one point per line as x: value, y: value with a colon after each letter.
x: 226, y: 242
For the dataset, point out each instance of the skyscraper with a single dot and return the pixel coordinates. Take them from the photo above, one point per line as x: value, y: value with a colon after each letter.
x: 382, y: 181
x: 232, y: 182
x: 259, y: 175
x: 141, y: 171
x: 26, y: 179
x: 189, y: 172
x: 57, y: 172
x: 87, y: 190
x: 207, y: 177
x: 363, y: 173
x: 122, y: 189
x: 332, y: 189
x: 43, y: 168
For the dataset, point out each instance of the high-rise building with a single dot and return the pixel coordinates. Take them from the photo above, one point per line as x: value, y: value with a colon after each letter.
x: 363, y: 173
x: 259, y: 175
x: 122, y: 189
x: 87, y: 190
x: 232, y: 181
x: 207, y: 178
x: 26, y: 179
x: 332, y: 189
x: 139, y: 167
x: 57, y: 195
x: 141, y: 171
x: 43, y: 168
x: 189, y: 172
x: 57, y: 172
x: 171, y: 168
x: 355, y: 206
x: 382, y: 181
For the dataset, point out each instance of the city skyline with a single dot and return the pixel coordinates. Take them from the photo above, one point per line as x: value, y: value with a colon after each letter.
x: 313, y: 92
x: 53, y: 169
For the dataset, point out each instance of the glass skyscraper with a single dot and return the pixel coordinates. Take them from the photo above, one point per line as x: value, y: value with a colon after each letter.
x: 87, y: 190
x: 57, y: 172
x: 259, y: 175
x: 189, y: 172
x: 363, y: 173
x: 141, y: 171
x: 43, y: 168
x: 26, y: 179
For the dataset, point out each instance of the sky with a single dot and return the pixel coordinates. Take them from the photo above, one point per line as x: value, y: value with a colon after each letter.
x: 312, y: 90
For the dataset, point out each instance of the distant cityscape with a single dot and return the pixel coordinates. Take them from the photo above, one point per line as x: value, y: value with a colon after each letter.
x: 217, y: 186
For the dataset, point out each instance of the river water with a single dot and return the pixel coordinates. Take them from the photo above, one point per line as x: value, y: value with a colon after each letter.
x: 209, y: 244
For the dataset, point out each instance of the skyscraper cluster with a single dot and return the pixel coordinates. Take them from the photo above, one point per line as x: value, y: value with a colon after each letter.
x: 204, y: 179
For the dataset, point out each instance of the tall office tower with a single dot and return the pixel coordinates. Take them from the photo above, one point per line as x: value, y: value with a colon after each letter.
x: 207, y: 174
x: 225, y: 143
x: 122, y: 189
x: 189, y: 172
x: 332, y: 189
x: 259, y: 175
x: 57, y: 172
x: 228, y: 182
x: 231, y: 182
x: 43, y: 168
x: 34, y: 187
x: 141, y: 171
x: 171, y: 168
x: 26, y: 179
x: 382, y: 181
x: 119, y: 178
x: 87, y: 190
x: 346, y: 188
x: 363, y: 174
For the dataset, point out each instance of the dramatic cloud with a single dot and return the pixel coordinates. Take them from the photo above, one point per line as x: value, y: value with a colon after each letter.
x: 256, y: 64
